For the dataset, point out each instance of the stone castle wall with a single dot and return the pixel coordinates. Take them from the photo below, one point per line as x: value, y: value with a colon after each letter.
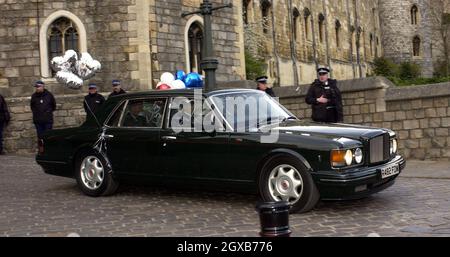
x: 300, y: 58
x: 134, y: 40
x: 420, y: 115
x: 168, y: 37
x: 107, y: 30
x: 20, y: 135
x: 398, y: 32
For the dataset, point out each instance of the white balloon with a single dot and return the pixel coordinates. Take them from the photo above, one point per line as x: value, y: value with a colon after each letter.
x: 177, y: 84
x: 69, y: 79
x: 72, y: 69
x: 167, y: 77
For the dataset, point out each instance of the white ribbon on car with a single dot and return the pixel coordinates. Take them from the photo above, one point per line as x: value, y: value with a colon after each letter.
x: 101, y: 148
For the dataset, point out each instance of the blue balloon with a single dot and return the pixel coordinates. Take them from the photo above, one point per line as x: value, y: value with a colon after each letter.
x: 180, y: 75
x: 193, y: 79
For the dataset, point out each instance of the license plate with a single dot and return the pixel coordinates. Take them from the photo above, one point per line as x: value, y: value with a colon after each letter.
x: 389, y: 171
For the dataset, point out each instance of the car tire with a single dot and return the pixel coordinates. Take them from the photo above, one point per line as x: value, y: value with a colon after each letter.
x: 94, y: 177
x: 286, y: 178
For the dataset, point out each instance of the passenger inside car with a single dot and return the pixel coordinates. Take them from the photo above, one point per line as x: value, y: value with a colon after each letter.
x: 133, y: 117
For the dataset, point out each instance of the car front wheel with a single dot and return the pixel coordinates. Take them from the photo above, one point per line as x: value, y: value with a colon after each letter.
x: 285, y: 178
x: 94, y: 178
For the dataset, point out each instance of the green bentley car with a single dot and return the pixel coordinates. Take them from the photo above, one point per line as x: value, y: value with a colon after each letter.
x: 238, y: 140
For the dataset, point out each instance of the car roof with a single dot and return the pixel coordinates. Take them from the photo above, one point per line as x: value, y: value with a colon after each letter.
x: 178, y: 92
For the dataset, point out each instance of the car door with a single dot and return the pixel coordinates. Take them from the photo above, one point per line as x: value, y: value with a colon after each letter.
x: 193, y: 154
x: 133, y: 137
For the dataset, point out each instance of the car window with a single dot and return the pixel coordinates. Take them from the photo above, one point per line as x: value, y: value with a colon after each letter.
x: 249, y: 111
x: 144, y: 113
x: 184, y: 110
x: 115, y: 118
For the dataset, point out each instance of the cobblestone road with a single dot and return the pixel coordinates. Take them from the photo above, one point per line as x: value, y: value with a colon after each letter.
x: 35, y: 204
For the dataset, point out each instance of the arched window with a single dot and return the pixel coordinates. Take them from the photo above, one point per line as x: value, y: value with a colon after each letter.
x: 265, y: 11
x: 307, y: 17
x: 62, y: 36
x: 321, y: 28
x: 414, y: 14
x: 353, y: 39
x: 377, y: 46
x: 59, y: 32
x: 195, y: 45
x: 295, y: 15
x: 338, y: 33
x: 371, y: 44
x: 245, y: 10
x: 416, y: 46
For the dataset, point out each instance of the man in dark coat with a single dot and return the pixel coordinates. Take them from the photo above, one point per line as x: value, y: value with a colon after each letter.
x: 325, y: 98
x: 93, y: 100
x: 117, y: 89
x: 4, y: 120
x: 43, y: 105
x: 262, y: 85
x: 133, y: 118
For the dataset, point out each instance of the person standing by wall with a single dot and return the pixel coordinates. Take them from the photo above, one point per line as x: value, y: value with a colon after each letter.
x: 43, y: 105
x: 117, y: 88
x: 4, y: 120
x: 325, y: 98
x: 262, y: 85
x: 93, y: 100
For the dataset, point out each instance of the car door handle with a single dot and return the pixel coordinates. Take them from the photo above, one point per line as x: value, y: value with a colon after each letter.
x: 169, y: 138
x: 108, y: 136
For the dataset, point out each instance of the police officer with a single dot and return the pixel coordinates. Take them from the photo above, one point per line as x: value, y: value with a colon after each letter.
x: 117, y: 89
x: 262, y: 85
x: 4, y: 120
x: 93, y: 100
x: 42, y: 105
x: 325, y: 98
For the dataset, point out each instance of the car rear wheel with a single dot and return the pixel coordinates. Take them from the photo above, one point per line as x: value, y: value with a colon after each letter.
x: 285, y: 178
x: 94, y: 178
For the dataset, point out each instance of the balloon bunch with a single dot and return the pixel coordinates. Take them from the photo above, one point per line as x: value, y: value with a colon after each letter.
x: 179, y: 81
x: 72, y: 69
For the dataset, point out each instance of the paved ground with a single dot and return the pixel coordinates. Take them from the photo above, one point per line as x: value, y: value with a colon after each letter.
x: 35, y: 204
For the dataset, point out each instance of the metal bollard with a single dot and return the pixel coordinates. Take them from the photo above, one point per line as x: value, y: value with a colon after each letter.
x: 274, y: 218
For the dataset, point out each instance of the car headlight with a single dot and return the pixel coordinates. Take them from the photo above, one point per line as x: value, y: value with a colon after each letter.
x: 394, y: 146
x: 358, y: 155
x: 343, y: 158
x: 348, y: 157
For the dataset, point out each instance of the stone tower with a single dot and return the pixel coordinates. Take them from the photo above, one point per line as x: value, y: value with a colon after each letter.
x: 407, y: 32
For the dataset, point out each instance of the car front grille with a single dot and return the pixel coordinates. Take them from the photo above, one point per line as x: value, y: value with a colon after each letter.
x: 379, y: 148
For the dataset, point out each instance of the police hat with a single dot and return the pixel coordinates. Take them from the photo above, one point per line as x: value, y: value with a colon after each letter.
x: 116, y: 82
x: 39, y: 83
x: 323, y: 70
x: 262, y: 79
x: 92, y: 85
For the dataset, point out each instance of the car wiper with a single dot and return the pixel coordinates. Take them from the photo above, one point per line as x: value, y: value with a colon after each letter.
x: 288, y: 118
x: 276, y: 121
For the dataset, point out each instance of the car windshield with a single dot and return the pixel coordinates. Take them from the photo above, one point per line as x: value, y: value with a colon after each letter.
x: 250, y: 110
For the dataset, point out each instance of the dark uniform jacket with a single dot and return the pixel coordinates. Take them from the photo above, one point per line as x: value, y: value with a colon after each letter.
x: 269, y: 91
x: 4, y: 112
x: 94, y: 101
x: 331, y: 111
x: 43, y: 105
x: 114, y: 93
